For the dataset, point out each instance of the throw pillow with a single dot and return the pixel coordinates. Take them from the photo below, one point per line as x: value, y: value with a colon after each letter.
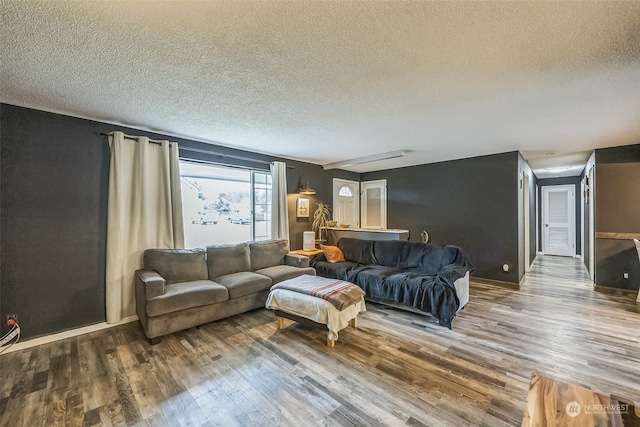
x: 227, y: 259
x: 332, y: 253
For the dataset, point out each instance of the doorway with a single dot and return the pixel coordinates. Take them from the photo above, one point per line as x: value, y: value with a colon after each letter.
x: 558, y: 220
x: 346, y: 202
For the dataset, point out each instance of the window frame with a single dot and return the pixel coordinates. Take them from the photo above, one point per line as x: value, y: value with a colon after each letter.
x: 268, y: 187
x: 381, y: 202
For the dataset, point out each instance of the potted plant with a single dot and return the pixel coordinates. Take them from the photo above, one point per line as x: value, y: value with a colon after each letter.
x: 321, y: 217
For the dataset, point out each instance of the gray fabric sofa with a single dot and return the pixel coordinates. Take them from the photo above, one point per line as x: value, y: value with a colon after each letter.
x: 182, y: 288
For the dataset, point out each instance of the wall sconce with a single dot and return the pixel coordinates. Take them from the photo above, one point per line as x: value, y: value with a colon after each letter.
x: 304, y: 187
x: 424, y: 236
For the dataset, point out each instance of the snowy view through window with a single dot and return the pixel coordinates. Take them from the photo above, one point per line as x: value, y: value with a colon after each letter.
x: 224, y: 205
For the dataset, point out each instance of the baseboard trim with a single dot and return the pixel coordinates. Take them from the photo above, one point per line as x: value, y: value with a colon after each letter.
x: 615, y: 291
x: 67, y: 334
x: 501, y: 283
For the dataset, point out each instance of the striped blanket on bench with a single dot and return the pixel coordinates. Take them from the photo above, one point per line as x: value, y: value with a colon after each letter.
x: 338, y: 292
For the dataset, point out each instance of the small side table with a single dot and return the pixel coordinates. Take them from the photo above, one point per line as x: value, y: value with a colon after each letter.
x: 311, y: 254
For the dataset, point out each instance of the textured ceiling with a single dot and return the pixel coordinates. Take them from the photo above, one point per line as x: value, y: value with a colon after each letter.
x: 325, y: 81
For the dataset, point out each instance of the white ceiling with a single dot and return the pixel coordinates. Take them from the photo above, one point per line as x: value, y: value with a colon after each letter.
x: 326, y: 81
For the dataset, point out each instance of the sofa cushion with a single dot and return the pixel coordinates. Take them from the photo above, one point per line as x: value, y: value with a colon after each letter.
x: 357, y: 251
x: 427, y: 258
x: 268, y: 253
x: 227, y: 259
x: 390, y: 253
x: 278, y: 273
x: 244, y: 283
x: 373, y: 280
x: 418, y: 257
x: 183, y: 295
x: 177, y: 265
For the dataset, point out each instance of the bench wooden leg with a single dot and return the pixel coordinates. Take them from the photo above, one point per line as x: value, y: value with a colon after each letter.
x: 280, y: 322
x: 354, y: 322
x: 330, y: 341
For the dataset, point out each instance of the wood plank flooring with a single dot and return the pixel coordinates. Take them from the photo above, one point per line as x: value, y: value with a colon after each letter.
x: 397, y: 368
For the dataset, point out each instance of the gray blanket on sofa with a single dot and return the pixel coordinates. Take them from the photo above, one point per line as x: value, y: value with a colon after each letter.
x: 416, y: 275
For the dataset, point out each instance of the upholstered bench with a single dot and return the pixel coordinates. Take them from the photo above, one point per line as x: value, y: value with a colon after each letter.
x: 290, y: 301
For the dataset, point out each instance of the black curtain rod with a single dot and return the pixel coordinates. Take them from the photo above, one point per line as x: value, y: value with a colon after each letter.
x: 211, y: 153
x: 133, y: 138
x: 224, y: 155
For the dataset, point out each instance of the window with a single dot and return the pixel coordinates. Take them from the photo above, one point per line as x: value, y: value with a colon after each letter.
x: 345, y: 191
x: 374, y: 204
x: 224, y: 205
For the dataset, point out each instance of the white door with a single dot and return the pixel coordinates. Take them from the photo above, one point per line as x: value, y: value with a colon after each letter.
x: 558, y: 220
x: 346, y: 202
x: 374, y: 204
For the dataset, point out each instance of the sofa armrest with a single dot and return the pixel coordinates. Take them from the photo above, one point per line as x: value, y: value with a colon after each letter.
x: 152, y: 283
x: 296, y: 260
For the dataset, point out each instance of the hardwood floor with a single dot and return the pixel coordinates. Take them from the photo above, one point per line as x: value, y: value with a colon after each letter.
x: 397, y: 368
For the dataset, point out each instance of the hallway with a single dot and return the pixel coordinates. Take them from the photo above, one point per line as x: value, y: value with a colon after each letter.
x: 563, y: 328
x: 569, y: 268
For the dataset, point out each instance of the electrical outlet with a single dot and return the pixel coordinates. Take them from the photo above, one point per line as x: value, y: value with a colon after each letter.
x: 625, y: 275
x: 12, y: 317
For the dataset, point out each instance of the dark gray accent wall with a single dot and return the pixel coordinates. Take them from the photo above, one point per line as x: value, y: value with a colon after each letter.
x: 623, y: 154
x: 617, y: 211
x: 321, y: 181
x: 53, y: 220
x: 53, y: 213
x: 471, y: 203
x: 568, y: 180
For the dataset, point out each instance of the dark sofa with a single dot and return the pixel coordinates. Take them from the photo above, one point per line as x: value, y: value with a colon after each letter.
x: 419, y: 277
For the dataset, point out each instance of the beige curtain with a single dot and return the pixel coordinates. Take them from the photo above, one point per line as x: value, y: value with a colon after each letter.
x: 145, y: 211
x: 279, y: 208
